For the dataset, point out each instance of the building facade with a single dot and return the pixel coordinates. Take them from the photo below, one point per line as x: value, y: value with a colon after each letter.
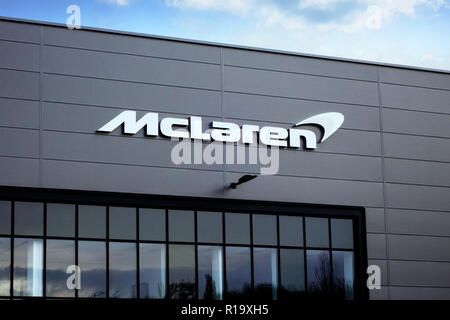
x: 141, y: 224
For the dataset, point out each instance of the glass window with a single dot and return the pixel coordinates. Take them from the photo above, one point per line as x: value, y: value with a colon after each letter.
x: 265, y: 266
x: 152, y: 262
x: 122, y: 223
x: 122, y: 270
x: 92, y: 222
x: 60, y: 255
x: 29, y: 218
x: 237, y: 228
x: 152, y: 224
x: 342, y: 233
x: 292, y: 270
x: 5, y: 266
x: 92, y: 262
x: 343, y: 273
x: 318, y: 271
x: 210, y: 272
x: 238, y: 268
x: 5, y: 217
x: 181, y: 272
x: 317, y: 232
x: 291, y: 231
x: 28, y: 264
x: 181, y: 225
x: 209, y: 227
x: 60, y: 220
x: 264, y: 229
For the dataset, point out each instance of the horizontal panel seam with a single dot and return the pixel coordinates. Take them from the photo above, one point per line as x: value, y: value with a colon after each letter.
x: 129, y: 81
x: 132, y: 54
x: 303, y: 99
x: 415, y: 110
x: 299, y: 73
x: 414, y: 86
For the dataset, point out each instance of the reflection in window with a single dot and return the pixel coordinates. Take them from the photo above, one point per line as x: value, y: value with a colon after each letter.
x: 238, y: 270
x: 318, y: 271
x: 265, y: 272
x: 237, y: 228
x: 292, y: 272
x: 343, y: 274
x: 181, y: 225
x: 122, y: 223
x: 291, y: 231
x: 60, y: 220
x: 181, y: 272
x: 152, y: 224
x: 60, y: 255
x: 92, y: 262
x: 92, y: 222
x: 29, y: 218
x: 264, y: 229
x: 342, y: 233
x: 152, y: 263
x: 122, y: 270
x: 28, y: 263
x: 317, y: 232
x: 5, y: 256
x: 209, y: 227
x: 5, y: 217
x: 210, y: 272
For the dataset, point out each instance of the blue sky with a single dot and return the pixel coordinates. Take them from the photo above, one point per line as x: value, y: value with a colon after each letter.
x: 409, y: 32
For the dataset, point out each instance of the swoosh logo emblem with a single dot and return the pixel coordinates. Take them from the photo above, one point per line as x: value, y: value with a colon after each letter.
x: 329, y: 121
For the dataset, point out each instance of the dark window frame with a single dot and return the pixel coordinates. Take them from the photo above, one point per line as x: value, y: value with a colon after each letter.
x: 357, y: 214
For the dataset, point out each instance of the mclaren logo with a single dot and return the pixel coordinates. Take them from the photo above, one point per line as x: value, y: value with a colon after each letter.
x: 192, y: 128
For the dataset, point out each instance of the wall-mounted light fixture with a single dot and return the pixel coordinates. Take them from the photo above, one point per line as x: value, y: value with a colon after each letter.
x: 242, y: 180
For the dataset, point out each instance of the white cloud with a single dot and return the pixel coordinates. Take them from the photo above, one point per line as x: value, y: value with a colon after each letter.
x: 240, y: 7
x: 433, y: 60
x: 120, y: 3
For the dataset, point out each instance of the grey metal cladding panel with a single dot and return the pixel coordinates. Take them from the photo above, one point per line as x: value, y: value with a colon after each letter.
x: 409, y: 247
x: 419, y: 293
x: 419, y: 273
x: 16, y: 55
x: 17, y: 31
x: 130, y: 68
x: 284, y: 84
x: 237, y: 105
x: 418, y: 222
x: 417, y: 172
x: 135, y: 179
x: 414, y: 98
x: 19, y: 142
x: 375, y: 220
x: 112, y: 149
x: 130, y: 44
x: 306, y: 190
x: 417, y: 197
x: 376, y: 246
x: 126, y: 95
x: 316, y: 164
x: 416, y: 147
x: 19, y: 113
x: 415, y: 78
x: 19, y: 84
x: 414, y: 122
x: 289, y: 63
x: 19, y: 172
x: 379, y: 294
